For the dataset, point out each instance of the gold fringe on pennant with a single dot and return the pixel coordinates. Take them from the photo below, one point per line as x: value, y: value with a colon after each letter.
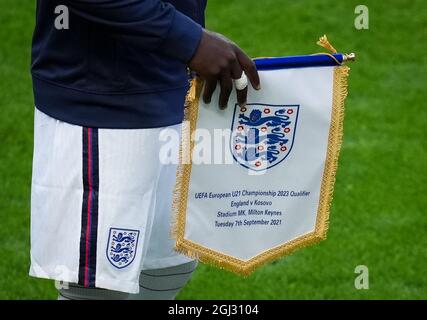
x: 180, y: 200
x: 336, y: 133
x: 179, y: 204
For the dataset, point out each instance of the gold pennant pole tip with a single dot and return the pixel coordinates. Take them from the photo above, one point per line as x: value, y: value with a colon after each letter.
x: 350, y: 57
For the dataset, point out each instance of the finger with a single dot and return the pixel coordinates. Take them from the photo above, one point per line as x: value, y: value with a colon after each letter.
x: 210, y: 86
x: 236, y: 70
x: 237, y: 73
x: 249, y: 67
x: 226, y: 84
x: 242, y: 97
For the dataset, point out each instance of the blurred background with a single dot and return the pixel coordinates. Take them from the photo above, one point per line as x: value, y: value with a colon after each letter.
x: 378, y: 217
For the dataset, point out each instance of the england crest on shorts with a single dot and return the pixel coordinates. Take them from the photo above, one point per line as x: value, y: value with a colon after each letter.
x: 121, y: 247
x: 263, y: 134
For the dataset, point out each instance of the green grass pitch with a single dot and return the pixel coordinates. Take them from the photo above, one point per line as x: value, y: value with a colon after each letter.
x: 378, y: 217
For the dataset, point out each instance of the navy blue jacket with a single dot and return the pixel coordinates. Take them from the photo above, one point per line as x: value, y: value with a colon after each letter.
x: 121, y: 63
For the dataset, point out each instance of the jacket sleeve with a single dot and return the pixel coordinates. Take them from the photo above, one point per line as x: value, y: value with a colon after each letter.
x: 154, y: 24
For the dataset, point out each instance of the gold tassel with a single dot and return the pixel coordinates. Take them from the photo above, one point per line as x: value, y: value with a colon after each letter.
x: 323, y: 42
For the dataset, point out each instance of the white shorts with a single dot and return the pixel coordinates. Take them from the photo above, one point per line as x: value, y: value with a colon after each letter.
x: 101, y: 204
